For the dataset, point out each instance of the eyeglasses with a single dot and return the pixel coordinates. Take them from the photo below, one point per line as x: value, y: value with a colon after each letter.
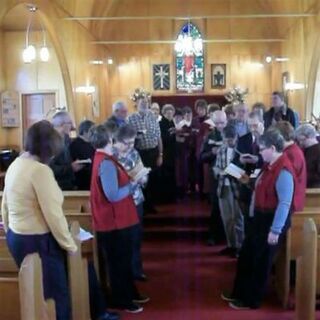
x: 128, y: 143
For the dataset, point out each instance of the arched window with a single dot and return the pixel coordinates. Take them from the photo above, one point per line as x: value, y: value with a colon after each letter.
x: 189, y: 59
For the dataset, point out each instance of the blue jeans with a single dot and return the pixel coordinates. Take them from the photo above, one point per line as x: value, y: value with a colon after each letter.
x: 55, y: 284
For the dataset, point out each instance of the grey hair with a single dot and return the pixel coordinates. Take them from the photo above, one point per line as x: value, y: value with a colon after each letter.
x: 59, y: 118
x: 126, y: 131
x: 99, y: 136
x: 272, y: 137
x: 306, y: 130
x: 118, y: 105
x: 219, y: 113
x: 167, y: 107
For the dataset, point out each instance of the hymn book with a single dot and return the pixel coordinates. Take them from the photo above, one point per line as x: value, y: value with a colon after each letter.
x: 138, y: 172
x: 234, y: 171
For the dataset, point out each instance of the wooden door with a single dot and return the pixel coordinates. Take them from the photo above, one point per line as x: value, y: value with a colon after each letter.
x: 36, y: 107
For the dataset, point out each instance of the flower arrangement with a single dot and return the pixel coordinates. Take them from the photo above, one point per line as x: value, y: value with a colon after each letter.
x: 236, y: 95
x: 140, y: 93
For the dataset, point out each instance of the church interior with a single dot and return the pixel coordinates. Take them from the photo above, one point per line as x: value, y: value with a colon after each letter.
x: 90, y: 54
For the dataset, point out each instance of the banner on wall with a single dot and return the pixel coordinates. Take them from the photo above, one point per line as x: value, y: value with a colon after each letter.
x: 10, y: 109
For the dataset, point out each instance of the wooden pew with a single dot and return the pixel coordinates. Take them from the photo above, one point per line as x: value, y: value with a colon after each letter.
x: 32, y: 303
x: 9, y: 297
x: 76, y: 201
x: 291, y: 250
x: 306, y: 273
x: 21, y: 296
x: 8, y: 267
x: 312, y: 198
x: 78, y: 280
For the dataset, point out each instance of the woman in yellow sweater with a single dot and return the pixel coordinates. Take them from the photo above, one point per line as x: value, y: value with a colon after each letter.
x: 32, y: 213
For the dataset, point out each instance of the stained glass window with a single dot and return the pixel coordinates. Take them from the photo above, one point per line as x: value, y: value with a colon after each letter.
x: 189, y: 59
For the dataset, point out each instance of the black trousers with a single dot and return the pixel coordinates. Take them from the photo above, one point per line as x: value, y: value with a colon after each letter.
x: 255, y: 261
x: 216, y: 229
x: 149, y: 159
x: 116, y: 247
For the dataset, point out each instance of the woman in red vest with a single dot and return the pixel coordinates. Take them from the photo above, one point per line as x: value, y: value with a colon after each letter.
x: 114, y: 215
x: 271, y: 208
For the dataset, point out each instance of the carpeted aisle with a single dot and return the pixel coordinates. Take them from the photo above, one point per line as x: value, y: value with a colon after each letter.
x: 186, y: 276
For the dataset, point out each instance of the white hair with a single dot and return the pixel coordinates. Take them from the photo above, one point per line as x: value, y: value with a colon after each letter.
x: 60, y: 118
x: 306, y: 130
x: 118, y: 105
x: 219, y: 114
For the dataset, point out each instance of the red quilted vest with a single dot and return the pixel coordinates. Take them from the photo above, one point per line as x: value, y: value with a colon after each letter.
x: 106, y: 215
x: 266, y: 199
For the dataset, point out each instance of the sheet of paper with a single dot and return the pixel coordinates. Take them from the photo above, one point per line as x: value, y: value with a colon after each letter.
x: 84, y: 161
x: 214, y: 142
x: 84, y: 235
x: 234, y: 171
x: 255, y: 173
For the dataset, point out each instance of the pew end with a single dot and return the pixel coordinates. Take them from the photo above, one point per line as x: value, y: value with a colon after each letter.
x: 32, y: 302
x: 78, y: 279
x: 306, y: 273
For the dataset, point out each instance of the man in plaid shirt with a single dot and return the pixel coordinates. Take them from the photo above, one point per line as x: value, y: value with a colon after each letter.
x: 148, y: 144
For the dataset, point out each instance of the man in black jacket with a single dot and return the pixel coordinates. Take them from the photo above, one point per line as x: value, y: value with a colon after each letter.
x: 62, y: 165
x: 208, y: 155
x: 248, y: 158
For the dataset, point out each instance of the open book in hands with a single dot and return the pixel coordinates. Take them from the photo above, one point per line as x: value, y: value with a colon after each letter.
x: 234, y: 171
x: 138, y: 172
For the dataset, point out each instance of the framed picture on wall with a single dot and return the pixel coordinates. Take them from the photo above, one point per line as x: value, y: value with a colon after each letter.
x: 218, y: 76
x: 10, y: 109
x: 161, y: 76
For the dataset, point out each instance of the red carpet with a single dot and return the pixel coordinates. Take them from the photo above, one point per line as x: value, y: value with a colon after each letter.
x: 186, y: 276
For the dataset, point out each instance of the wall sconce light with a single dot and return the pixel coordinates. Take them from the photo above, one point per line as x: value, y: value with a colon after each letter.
x: 29, y: 52
x: 110, y: 61
x: 96, y: 62
x: 282, y: 59
x: 86, y: 89
x: 294, y: 86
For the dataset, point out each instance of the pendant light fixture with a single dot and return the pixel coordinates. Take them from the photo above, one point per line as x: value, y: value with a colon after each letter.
x: 29, y: 52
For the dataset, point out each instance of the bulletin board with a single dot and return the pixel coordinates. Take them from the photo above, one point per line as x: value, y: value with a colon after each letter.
x: 10, y: 109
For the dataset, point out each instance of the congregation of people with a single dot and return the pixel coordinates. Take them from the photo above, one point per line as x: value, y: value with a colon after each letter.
x: 133, y: 163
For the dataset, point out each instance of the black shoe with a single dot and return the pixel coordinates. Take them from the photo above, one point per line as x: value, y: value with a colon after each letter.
x: 141, y: 299
x: 238, y: 305
x: 226, y: 251
x: 133, y: 308
x: 109, y: 316
x: 142, y: 278
x: 210, y: 242
x: 226, y: 296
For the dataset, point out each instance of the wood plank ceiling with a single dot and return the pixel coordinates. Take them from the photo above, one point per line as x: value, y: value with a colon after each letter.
x: 152, y: 21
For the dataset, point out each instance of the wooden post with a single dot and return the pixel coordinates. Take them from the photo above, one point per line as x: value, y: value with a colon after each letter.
x: 78, y: 279
x: 306, y: 273
x: 32, y: 301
